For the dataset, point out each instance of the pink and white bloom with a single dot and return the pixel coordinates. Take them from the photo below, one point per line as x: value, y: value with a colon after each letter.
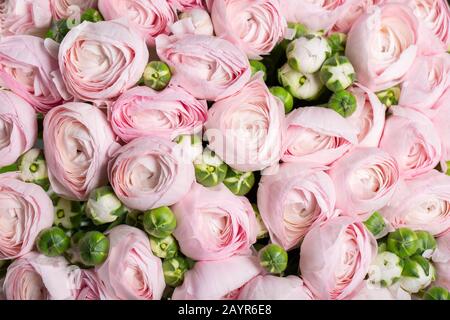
x: 193, y: 21
x: 18, y: 127
x: 90, y: 287
x: 335, y: 257
x: 131, y: 271
x: 78, y: 142
x: 61, y: 9
x: 371, y: 292
x: 352, y: 13
x: 441, y: 120
x: 214, y: 224
x: 205, y: 66
x: 441, y: 260
x: 293, y: 200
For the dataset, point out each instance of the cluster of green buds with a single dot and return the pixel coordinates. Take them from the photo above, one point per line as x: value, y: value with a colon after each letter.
x: 389, y: 97
x: 93, y: 248
x: 68, y: 214
x: 257, y: 66
x: 174, y: 270
x: 273, y: 258
x: 403, y: 242
x: 240, y: 183
x: 343, y: 102
x: 285, y: 97
x: 304, y: 86
x: 33, y: 168
x: 159, y: 222
x: 52, y: 242
x: 337, y: 73
x: 437, y: 293
x: 337, y: 42
x: 103, y: 206
x: 156, y: 75
x: 210, y: 170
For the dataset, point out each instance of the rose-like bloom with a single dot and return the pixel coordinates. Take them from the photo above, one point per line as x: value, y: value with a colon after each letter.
x: 335, y: 257
x: 63, y: 8
x: 291, y: 201
x: 25, y: 210
x: 352, y: 13
x: 422, y: 203
x: 254, y: 26
x: 382, y: 45
x: 18, y: 17
x: 90, y: 287
x: 18, y: 127
x: 213, y: 223
x: 271, y: 287
x: 183, y: 5
x: 366, y: 179
x: 131, y: 271
x: 78, y: 142
x: 99, y: 61
x: 207, y: 67
x: 143, y: 111
x: 425, y: 83
x: 441, y: 260
x: 317, y: 134
x: 417, y: 149
x: 37, y: 277
x: 149, y: 172
x: 369, y: 116
x: 193, y: 21
x: 247, y: 128
x: 148, y: 18
x: 218, y: 280
x: 27, y: 69
x: 441, y: 120
x: 371, y: 292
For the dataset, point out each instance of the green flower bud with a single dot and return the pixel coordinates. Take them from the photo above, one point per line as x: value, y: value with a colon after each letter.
x: 164, y: 248
x: 262, y: 233
x: 427, y: 244
x: 284, y: 96
x: 375, y: 223
x: 382, y: 246
x: 191, y: 146
x: 343, y: 102
x: 417, y: 274
x: 389, y: 97
x: 403, y: 242
x: 386, y: 269
x: 174, y: 270
x: 300, y: 30
x: 103, y: 206
x: 33, y: 168
x: 302, y: 86
x: 157, y: 75
x: 59, y: 29
x: 257, y: 66
x: 273, y: 258
x: 94, y: 248
x: 159, y: 222
x: 92, y: 15
x: 337, y: 42
x: 210, y: 170
x: 240, y: 183
x: 307, y: 54
x: 52, y: 242
x: 437, y: 293
x: 135, y: 218
x: 68, y: 214
x: 337, y: 73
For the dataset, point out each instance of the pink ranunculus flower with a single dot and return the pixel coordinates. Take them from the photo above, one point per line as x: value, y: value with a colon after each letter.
x: 441, y: 120
x: 317, y: 134
x: 214, y: 224
x: 254, y: 26
x: 205, y: 66
x: 18, y: 17
x: 18, y: 127
x: 99, y: 61
x: 27, y: 69
x: 150, y: 172
x: 64, y: 8
x: 193, y: 21
x: 371, y: 292
x: 365, y: 180
x: 142, y: 111
x: 417, y: 149
x: 441, y: 261
x: 218, y: 280
x: 269, y: 287
x: 148, y: 18
x: 293, y: 200
x: 368, y: 118
x: 246, y: 129
x: 422, y: 203
x: 78, y: 142
x: 90, y: 287
x: 37, y: 277
x: 183, y: 5
x: 335, y: 257
x: 352, y: 13
x: 25, y: 210
x: 131, y: 271
x: 382, y: 46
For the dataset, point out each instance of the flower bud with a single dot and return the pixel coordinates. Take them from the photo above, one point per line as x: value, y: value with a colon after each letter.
x: 135, y: 218
x: 273, y: 258
x: 417, y: 274
x: 427, y: 244
x: 284, y: 96
x: 389, y: 97
x: 257, y: 66
x: 210, y: 170
x: 94, y: 248
x: 68, y: 214
x: 52, y: 242
x: 300, y: 30
x: 157, y: 75
x: 159, y: 222
x: 91, y: 15
x: 337, y: 42
x: 343, y: 102
x: 382, y: 246
x: 174, y: 270
x: 307, y: 54
x: 403, y: 242
x: 301, y: 86
x: 103, y: 206
x: 59, y: 29
x: 262, y: 229
x: 437, y: 293
x: 375, y: 223
x: 240, y: 183
x: 191, y: 146
x: 386, y: 269
x: 164, y: 247
x: 201, y: 21
x: 33, y: 168
x: 337, y: 73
